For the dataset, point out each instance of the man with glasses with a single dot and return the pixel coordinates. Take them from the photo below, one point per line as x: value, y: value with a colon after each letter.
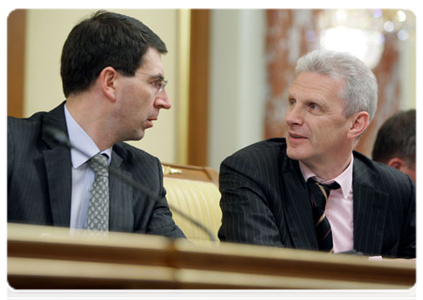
x: 113, y: 81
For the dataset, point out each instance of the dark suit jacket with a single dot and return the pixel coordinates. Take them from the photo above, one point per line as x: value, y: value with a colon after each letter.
x: 40, y: 179
x: 265, y: 201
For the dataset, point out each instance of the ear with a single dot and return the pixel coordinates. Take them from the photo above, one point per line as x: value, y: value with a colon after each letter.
x: 359, y: 123
x: 397, y: 163
x: 107, y: 80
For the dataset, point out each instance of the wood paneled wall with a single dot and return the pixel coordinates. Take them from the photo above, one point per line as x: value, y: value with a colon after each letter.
x: 16, y: 24
x: 199, y: 88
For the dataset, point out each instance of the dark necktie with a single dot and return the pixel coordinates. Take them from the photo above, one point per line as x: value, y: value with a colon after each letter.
x: 319, y: 193
x: 98, y: 210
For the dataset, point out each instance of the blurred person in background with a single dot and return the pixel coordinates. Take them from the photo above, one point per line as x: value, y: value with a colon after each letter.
x: 395, y: 144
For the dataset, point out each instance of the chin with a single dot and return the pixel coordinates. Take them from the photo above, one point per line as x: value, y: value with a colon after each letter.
x: 135, y: 136
x: 291, y: 153
x: 296, y: 154
x: 140, y: 136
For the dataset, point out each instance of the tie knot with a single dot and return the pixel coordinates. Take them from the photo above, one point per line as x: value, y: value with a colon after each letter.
x: 99, y: 165
x: 329, y: 187
x: 323, y: 188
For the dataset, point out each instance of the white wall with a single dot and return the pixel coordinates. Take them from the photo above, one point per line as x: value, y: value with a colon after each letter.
x: 47, y: 31
x: 408, y: 67
x: 237, y: 81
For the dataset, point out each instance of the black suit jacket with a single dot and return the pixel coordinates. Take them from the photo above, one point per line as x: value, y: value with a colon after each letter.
x: 265, y: 201
x: 40, y: 181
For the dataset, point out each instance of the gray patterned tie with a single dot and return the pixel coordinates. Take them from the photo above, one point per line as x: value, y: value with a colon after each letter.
x: 98, y: 210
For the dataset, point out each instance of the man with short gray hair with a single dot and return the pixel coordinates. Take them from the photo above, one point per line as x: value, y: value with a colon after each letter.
x: 310, y: 190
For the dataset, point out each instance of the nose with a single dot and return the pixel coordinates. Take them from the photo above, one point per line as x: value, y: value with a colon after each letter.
x: 294, y: 116
x: 163, y: 100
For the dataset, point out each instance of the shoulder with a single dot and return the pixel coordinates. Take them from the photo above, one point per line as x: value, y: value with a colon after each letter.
x: 25, y: 129
x: 134, y: 157
x: 25, y: 123
x: 266, y: 155
x: 262, y: 150
x: 381, y: 175
x: 35, y: 123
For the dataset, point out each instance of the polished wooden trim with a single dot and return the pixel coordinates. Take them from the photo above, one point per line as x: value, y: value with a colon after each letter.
x: 190, y: 172
x: 41, y: 257
x: 16, y: 30
x: 199, y: 88
x: 318, y: 267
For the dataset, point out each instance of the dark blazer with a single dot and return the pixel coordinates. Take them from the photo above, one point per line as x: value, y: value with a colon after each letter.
x: 265, y: 201
x: 40, y: 180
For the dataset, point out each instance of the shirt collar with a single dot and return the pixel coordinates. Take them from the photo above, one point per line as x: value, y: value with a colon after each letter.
x: 79, y: 138
x: 344, y: 179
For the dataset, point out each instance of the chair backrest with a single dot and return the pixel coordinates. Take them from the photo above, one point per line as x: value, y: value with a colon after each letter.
x: 194, y: 190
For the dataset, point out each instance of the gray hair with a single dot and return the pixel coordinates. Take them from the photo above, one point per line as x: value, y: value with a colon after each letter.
x: 360, y: 91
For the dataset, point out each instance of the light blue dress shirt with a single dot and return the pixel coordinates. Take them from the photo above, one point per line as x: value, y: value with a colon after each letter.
x: 82, y: 175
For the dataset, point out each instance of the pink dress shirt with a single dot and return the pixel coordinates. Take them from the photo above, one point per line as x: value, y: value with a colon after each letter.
x: 339, y: 207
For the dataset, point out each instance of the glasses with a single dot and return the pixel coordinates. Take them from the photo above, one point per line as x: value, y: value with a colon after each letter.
x: 159, y: 83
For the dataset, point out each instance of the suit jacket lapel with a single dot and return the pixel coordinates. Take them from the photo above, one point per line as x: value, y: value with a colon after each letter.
x: 370, y: 209
x: 299, y: 216
x: 58, y: 165
x: 121, y: 197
